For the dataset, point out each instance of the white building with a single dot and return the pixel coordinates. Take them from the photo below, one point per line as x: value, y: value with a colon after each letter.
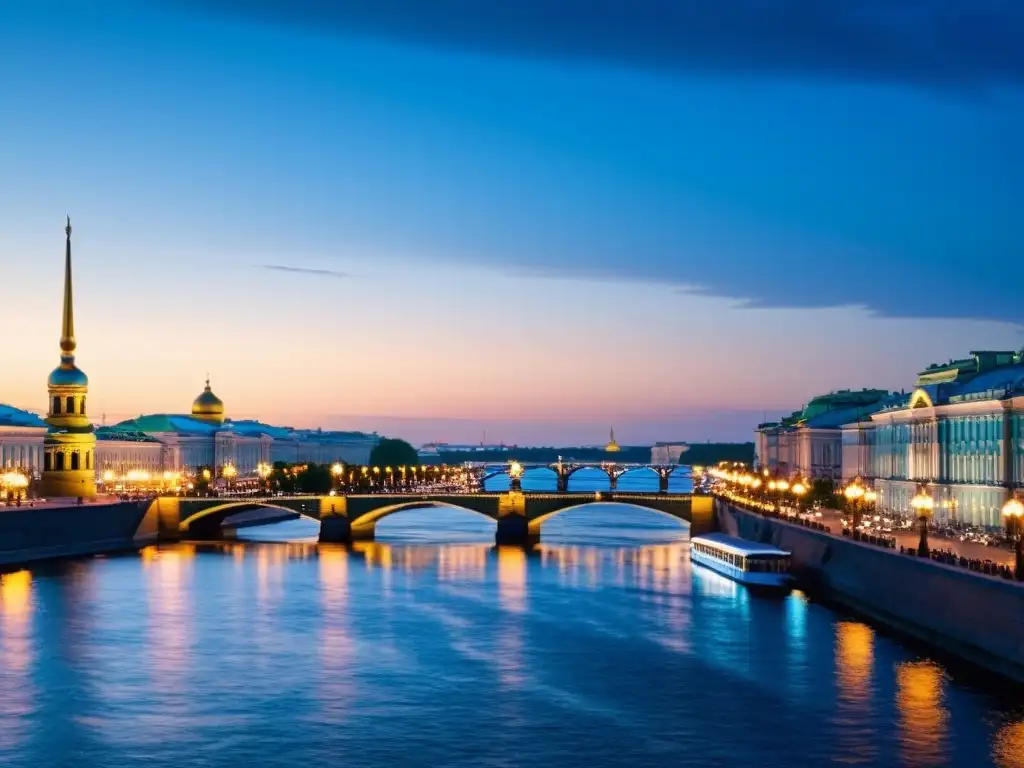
x: 159, y: 443
x: 21, y: 440
x: 958, y: 437
x: 667, y: 453
x: 811, y: 442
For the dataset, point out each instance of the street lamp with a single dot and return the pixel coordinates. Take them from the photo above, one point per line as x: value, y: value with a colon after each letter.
x: 799, y: 490
x: 515, y: 476
x: 854, y: 492
x: 13, y: 484
x: 1013, y: 511
x: 923, y: 504
x: 338, y: 473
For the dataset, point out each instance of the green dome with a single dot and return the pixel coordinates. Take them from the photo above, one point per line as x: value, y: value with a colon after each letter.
x: 69, y: 376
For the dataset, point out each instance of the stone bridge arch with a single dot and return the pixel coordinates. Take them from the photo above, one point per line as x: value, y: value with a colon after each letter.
x: 536, y: 522
x: 208, y: 520
x: 364, y: 526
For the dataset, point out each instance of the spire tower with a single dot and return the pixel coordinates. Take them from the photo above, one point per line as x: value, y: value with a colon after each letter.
x: 67, y: 328
x: 69, y: 447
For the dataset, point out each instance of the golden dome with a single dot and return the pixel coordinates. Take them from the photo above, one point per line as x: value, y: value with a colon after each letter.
x: 208, y: 407
x: 612, y: 446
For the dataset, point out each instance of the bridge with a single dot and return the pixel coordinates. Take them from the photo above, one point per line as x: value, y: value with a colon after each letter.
x: 353, y: 517
x: 563, y: 470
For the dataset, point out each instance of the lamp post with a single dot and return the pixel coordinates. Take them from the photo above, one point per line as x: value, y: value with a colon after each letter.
x: 923, y: 504
x: 338, y: 473
x: 799, y: 490
x: 1013, y: 511
x: 515, y: 475
x: 854, y: 493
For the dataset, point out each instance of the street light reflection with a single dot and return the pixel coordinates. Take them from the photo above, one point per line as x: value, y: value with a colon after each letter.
x: 17, y: 697
x: 923, y: 719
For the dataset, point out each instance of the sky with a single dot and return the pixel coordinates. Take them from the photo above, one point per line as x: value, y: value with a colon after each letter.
x: 520, y: 222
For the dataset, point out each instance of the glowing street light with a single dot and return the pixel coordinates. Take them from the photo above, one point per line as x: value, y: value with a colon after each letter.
x: 1013, y: 511
x: 923, y: 504
x: 515, y: 475
x: 854, y: 494
x: 13, y: 485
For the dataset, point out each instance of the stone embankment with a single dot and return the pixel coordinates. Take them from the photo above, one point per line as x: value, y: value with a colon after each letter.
x: 975, y: 617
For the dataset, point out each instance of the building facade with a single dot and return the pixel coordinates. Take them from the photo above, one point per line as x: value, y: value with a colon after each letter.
x: 668, y: 453
x: 206, y: 439
x: 21, y: 440
x: 811, y: 442
x: 959, y: 437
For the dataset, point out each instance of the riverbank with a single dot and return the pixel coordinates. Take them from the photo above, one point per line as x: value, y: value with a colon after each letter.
x: 976, y: 618
x: 53, y: 530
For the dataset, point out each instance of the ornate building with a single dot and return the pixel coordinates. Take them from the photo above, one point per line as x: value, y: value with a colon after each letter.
x: 809, y: 442
x: 69, y: 446
x: 206, y: 438
x: 959, y: 435
x: 21, y: 440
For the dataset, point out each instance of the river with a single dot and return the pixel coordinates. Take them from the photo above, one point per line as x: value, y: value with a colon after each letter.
x: 430, y: 647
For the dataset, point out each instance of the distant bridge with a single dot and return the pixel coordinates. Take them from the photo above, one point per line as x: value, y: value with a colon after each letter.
x: 563, y: 470
x: 348, y: 518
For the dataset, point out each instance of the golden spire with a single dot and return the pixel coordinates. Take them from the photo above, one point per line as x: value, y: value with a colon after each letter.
x: 67, y: 333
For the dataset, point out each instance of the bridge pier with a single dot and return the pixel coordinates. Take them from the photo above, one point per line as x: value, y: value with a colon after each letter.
x: 663, y: 477
x: 562, y: 482
x: 514, y: 531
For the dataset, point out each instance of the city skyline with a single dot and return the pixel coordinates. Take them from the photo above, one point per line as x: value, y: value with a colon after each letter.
x: 431, y: 235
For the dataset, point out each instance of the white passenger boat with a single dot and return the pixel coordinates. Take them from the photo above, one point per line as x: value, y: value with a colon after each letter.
x: 759, y: 565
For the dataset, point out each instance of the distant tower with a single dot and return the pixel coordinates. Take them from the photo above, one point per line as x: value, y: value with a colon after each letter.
x: 612, y: 446
x: 69, y: 448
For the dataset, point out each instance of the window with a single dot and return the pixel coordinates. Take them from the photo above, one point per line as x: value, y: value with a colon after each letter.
x: 75, y: 460
x: 70, y: 407
x: 56, y: 405
x: 47, y: 461
x: 58, y: 461
x: 88, y: 459
x: 81, y: 406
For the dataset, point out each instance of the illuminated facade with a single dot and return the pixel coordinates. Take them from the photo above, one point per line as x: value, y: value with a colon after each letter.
x: 21, y: 440
x: 810, y: 442
x: 207, y: 438
x: 70, y: 444
x: 960, y: 434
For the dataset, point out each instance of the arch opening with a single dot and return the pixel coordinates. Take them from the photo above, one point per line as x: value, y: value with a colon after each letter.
x: 369, y: 520
x: 537, y: 522
x: 239, y: 506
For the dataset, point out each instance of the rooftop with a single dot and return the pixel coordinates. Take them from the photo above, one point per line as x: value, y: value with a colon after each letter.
x: 16, y: 417
x: 738, y: 546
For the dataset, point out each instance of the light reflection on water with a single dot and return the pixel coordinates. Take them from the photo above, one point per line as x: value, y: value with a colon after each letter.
x: 597, y: 648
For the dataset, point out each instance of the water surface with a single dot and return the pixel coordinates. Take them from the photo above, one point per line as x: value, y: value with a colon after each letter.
x: 431, y: 647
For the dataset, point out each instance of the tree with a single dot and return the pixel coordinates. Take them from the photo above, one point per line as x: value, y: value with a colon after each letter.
x: 392, y: 452
x: 315, y: 479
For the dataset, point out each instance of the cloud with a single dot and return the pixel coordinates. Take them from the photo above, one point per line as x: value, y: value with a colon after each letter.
x: 945, y: 43
x: 307, y: 271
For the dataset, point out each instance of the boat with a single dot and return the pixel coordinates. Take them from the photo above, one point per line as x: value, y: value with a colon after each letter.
x: 747, y: 562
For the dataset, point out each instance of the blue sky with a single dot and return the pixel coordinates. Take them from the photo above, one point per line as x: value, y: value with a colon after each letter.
x: 530, y: 218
